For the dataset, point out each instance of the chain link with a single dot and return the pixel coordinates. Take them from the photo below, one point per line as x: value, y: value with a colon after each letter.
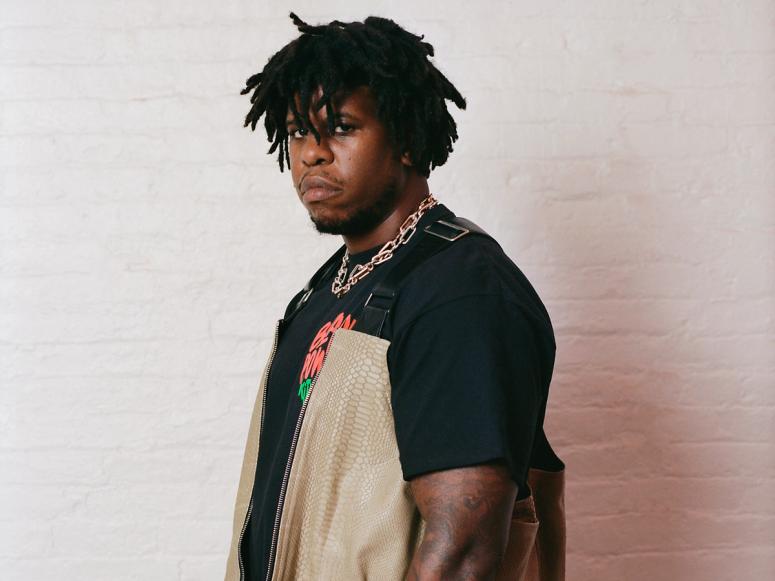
x: 385, y: 253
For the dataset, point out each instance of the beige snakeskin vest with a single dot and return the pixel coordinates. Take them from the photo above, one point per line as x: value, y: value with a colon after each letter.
x: 348, y: 514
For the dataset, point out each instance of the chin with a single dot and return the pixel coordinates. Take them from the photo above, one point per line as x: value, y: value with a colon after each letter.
x: 349, y: 218
x: 346, y: 226
x: 327, y: 224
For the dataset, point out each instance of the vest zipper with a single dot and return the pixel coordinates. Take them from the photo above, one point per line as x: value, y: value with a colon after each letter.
x: 284, y: 485
x: 260, y: 431
x: 239, y: 543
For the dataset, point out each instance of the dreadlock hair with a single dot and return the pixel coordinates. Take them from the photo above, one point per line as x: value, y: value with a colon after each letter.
x: 409, y: 90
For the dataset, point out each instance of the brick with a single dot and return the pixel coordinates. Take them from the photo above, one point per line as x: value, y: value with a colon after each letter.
x: 621, y: 153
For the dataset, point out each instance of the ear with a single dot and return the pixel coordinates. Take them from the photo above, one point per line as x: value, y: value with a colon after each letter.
x: 406, y: 159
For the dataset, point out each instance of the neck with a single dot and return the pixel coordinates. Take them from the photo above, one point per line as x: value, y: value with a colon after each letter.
x: 415, y: 191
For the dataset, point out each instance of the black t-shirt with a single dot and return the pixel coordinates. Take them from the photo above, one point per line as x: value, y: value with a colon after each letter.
x: 470, y: 362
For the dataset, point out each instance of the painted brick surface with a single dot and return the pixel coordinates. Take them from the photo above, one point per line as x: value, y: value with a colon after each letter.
x: 621, y: 152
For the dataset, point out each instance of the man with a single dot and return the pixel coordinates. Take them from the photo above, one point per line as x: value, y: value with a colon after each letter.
x: 402, y: 448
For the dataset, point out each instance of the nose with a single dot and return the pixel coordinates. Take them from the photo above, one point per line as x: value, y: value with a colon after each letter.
x: 314, y: 153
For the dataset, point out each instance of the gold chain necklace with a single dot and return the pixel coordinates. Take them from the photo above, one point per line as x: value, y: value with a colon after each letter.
x: 385, y: 253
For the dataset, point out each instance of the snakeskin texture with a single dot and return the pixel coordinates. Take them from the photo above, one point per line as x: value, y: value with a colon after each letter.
x: 348, y: 512
x: 247, y: 474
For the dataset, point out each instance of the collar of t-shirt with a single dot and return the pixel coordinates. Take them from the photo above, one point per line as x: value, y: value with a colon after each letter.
x: 363, y: 256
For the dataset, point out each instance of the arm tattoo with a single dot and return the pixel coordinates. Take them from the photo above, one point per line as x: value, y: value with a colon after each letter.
x: 467, y: 513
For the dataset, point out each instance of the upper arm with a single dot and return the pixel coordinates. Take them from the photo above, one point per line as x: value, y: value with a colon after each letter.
x: 467, y: 386
x: 467, y: 513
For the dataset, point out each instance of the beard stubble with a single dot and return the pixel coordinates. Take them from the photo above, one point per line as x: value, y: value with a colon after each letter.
x: 363, y: 219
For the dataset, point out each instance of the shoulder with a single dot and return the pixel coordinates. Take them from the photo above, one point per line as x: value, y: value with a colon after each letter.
x: 473, y: 269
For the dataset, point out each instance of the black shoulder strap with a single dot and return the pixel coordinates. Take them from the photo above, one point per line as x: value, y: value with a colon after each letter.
x: 436, y: 236
x: 301, y: 297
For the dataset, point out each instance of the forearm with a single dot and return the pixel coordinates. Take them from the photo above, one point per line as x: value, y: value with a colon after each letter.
x: 467, y: 514
x: 437, y: 559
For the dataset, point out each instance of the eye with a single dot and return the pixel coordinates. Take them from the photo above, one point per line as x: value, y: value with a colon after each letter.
x: 344, y: 126
x: 345, y: 129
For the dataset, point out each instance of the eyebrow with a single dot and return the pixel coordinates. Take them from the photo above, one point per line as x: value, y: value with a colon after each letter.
x: 337, y: 116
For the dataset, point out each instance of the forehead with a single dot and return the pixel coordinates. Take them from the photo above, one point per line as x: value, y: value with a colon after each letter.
x: 358, y: 101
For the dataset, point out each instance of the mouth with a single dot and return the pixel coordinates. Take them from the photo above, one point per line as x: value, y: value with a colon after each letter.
x: 318, y: 194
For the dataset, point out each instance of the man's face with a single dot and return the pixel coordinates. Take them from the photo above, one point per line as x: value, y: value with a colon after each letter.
x: 364, y: 175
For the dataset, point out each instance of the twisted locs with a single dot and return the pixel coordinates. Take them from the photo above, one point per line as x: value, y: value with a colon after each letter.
x: 410, y: 91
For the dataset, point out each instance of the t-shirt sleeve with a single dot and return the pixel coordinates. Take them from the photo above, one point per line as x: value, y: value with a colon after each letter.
x: 466, y: 386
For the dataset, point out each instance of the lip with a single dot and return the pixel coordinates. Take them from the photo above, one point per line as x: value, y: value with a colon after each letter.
x: 316, y: 189
x: 319, y: 194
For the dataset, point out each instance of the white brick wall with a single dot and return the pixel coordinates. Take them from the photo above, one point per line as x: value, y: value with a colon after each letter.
x: 622, y: 152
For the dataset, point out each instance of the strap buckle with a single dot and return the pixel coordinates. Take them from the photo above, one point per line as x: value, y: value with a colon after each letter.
x: 379, y: 293
x: 460, y: 231
x: 305, y: 296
